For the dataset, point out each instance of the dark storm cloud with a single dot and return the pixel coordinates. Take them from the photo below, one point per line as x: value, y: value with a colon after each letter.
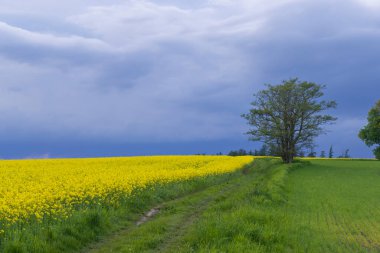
x: 170, y: 72
x: 333, y: 44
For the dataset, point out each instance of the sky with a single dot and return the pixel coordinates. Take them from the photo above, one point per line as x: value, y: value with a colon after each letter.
x: 143, y: 77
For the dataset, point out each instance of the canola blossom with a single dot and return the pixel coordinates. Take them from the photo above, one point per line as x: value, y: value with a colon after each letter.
x: 38, y: 189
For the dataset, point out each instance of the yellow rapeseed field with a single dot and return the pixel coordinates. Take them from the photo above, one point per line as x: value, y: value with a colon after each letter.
x: 34, y: 189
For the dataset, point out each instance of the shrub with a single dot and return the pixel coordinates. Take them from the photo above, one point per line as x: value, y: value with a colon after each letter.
x: 376, y: 151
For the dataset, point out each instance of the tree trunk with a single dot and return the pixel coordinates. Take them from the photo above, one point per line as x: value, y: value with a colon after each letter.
x: 288, y: 154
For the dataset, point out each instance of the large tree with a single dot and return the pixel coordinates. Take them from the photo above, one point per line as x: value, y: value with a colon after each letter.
x: 370, y: 134
x: 289, y: 116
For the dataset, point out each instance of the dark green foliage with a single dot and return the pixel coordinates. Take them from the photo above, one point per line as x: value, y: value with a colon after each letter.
x: 376, y: 151
x: 288, y: 116
x: 312, y: 153
x: 274, y: 150
x: 331, y: 152
x: 264, y: 150
x: 323, y: 154
x: 240, y: 152
x: 345, y: 154
x: 370, y: 134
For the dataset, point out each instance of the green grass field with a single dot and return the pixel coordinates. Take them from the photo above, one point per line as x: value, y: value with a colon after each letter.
x: 334, y: 206
x: 317, y: 206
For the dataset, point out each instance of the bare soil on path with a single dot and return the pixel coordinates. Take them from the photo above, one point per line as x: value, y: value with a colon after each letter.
x: 160, y: 228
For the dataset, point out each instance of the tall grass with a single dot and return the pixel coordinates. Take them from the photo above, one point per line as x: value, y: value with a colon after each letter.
x: 243, y: 222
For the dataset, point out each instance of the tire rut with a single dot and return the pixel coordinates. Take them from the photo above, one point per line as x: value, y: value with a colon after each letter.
x: 177, y: 231
x: 181, y: 229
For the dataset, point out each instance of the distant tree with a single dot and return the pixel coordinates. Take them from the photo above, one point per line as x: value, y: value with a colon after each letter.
x: 301, y: 153
x: 331, y: 152
x: 289, y: 116
x: 346, y: 154
x: 323, y: 154
x: 233, y: 153
x: 376, y: 151
x: 273, y: 150
x: 264, y: 150
x: 312, y: 153
x: 240, y: 152
x: 370, y: 134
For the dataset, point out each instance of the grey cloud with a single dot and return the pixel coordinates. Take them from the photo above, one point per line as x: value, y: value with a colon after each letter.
x: 27, y: 46
x: 144, y: 70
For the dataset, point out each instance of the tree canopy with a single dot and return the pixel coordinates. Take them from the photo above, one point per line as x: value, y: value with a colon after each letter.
x: 370, y: 134
x: 289, y: 116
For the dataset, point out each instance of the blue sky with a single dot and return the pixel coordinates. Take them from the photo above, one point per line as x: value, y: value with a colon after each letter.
x: 93, y: 78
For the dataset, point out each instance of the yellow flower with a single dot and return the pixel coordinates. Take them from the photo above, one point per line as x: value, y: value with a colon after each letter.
x: 54, y: 187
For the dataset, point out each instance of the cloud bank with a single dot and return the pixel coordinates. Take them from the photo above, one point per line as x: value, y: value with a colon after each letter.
x: 169, y: 71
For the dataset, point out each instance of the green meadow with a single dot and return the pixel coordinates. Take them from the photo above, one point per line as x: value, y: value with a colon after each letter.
x: 310, y: 206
